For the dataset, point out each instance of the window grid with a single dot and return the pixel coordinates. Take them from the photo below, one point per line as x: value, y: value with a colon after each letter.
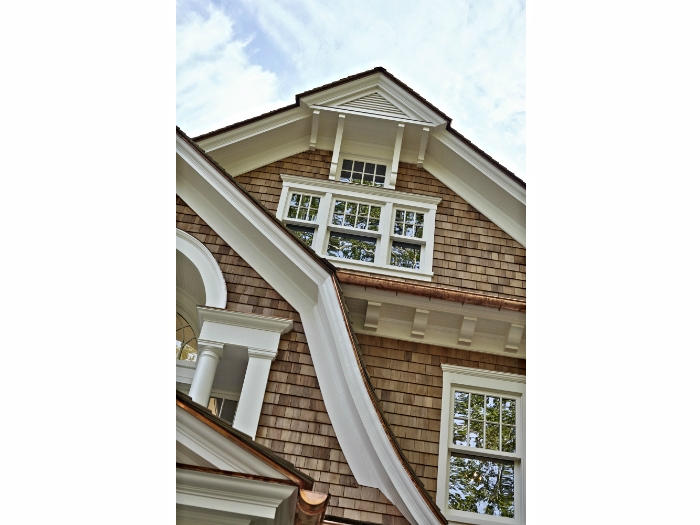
x: 409, y: 223
x: 303, y: 207
x: 404, y: 255
x: 479, y: 421
x: 365, y: 173
x: 358, y: 215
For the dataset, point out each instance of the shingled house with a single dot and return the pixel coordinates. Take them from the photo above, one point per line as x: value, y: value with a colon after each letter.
x: 350, y: 317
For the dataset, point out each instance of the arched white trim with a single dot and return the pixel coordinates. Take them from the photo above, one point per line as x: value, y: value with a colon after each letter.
x: 201, y: 257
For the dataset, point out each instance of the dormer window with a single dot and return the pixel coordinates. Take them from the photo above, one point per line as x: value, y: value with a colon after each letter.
x: 366, y: 173
x: 360, y: 226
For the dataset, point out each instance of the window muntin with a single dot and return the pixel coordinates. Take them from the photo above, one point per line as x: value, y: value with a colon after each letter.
x: 484, y: 421
x: 482, y: 486
x: 347, y: 246
x: 360, y: 215
x: 405, y: 255
x: 409, y: 223
x: 304, y: 233
x: 365, y: 173
x: 303, y: 207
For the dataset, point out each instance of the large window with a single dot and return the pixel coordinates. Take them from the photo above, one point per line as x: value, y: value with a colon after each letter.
x: 362, y: 226
x: 482, y: 447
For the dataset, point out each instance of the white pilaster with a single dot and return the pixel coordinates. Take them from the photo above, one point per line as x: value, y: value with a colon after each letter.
x: 253, y: 392
x: 397, y: 153
x: 336, y: 147
x: 209, y: 354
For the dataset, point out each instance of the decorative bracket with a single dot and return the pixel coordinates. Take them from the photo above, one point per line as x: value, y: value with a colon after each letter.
x: 372, y: 315
x: 336, y: 147
x: 467, y: 332
x: 514, y: 335
x: 420, y: 321
x: 314, y: 129
x: 423, y: 146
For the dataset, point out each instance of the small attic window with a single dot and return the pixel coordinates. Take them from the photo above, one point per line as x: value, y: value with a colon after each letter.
x: 366, y: 173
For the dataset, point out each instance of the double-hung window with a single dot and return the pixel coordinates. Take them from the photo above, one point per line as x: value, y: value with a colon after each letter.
x: 362, y: 226
x: 482, y: 447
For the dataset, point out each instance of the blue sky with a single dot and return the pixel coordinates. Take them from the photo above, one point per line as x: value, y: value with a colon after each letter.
x: 240, y: 58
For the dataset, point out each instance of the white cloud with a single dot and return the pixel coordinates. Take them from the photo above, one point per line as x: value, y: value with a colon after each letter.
x: 466, y: 57
x: 216, y: 82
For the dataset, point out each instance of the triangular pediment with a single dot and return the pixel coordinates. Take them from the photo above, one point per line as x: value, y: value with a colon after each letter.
x: 373, y: 103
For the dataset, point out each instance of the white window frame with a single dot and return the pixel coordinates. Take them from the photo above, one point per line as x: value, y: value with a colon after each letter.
x: 487, y: 382
x: 371, y: 160
x: 388, y: 199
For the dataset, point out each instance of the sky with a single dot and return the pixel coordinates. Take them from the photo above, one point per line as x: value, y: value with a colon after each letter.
x: 240, y: 58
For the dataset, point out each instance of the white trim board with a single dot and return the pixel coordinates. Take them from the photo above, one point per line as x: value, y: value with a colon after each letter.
x: 310, y: 289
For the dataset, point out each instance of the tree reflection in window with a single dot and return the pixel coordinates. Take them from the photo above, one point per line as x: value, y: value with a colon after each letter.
x: 408, y: 223
x: 305, y: 234
x: 484, y: 486
x: 185, y: 340
x: 484, y: 421
x: 405, y: 255
x: 304, y: 207
x: 356, y: 215
x: 349, y: 246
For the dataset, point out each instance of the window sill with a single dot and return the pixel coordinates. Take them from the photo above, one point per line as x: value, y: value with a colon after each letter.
x: 392, y: 271
x: 469, y: 518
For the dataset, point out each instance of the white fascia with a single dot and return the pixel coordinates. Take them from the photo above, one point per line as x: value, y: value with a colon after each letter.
x: 254, y: 128
x: 309, y: 288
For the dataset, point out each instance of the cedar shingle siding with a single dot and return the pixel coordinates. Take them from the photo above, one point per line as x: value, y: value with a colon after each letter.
x: 294, y: 422
x: 407, y: 378
x: 471, y: 252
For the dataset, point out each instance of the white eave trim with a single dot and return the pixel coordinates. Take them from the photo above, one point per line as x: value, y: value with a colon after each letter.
x: 483, y: 165
x: 282, y: 263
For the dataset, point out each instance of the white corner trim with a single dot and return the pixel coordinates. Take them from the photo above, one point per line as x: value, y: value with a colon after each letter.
x: 201, y: 257
x: 358, y: 190
x: 245, y: 320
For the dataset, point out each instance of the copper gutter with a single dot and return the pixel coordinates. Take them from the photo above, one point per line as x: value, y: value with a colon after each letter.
x: 311, y: 506
x: 432, y: 292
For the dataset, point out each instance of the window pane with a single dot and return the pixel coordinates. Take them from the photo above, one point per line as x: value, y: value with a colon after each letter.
x: 369, y: 168
x: 351, y: 209
x: 305, y: 234
x: 460, y: 432
x: 351, y: 247
x: 302, y: 214
x: 364, y: 210
x: 357, y: 178
x: 292, y: 212
x: 345, y: 176
x: 399, y: 215
x: 295, y: 199
x: 482, y: 486
x: 493, y: 405
x: 492, y: 438
x: 305, y: 200
x: 405, y: 255
x: 374, y: 225
x: 379, y: 180
x: 477, y: 407
x: 419, y: 232
x: 347, y: 164
x: 361, y: 223
x: 349, y: 221
x: 337, y: 219
x: 398, y: 228
x: 462, y: 404
x: 339, y: 207
x: 508, y: 439
x: 375, y: 212
x: 381, y: 169
x: 313, y: 213
x: 476, y: 434
x: 508, y: 412
x: 315, y: 202
x: 358, y: 166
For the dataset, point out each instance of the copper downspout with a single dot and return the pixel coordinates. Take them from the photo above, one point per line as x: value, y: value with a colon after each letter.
x: 432, y: 292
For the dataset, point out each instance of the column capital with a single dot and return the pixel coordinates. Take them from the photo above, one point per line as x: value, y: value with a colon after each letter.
x: 261, y: 353
x: 211, y: 347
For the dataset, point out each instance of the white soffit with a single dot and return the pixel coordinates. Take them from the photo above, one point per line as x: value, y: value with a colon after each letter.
x: 310, y: 289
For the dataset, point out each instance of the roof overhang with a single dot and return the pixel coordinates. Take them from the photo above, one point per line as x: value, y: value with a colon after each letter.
x: 311, y: 288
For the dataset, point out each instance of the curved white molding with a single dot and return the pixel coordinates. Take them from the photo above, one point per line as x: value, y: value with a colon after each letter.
x: 201, y: 257
x: 310, y: 289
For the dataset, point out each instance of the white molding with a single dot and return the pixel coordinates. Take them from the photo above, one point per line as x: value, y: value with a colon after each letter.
x: 336, y: 147
x: 310, y: 289
x: 486, y: 374
x: 201, y: 257
x: 358, y: 191
x: 314, y: 129
x: 423, y: 144
x: 245, y: 320
x: 397, y: 154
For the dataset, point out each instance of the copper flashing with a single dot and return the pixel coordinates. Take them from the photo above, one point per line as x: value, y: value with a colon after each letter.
x: 433, y: 292
x: 357, y: 76
x: 261, y: 452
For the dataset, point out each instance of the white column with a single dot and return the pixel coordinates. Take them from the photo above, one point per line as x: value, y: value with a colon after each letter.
x: 253, y: 392
x: 207, y: 361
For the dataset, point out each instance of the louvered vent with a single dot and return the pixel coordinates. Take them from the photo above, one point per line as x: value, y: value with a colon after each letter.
x: 373, y: 102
